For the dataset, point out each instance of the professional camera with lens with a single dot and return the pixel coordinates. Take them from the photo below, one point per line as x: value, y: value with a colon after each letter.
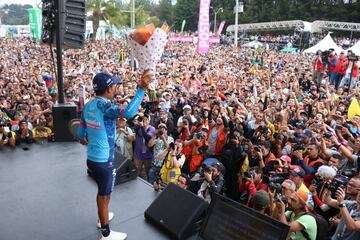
x: 325, y: 56
x: 279, y: 197
x: 316, y: 181
x: 205, y: 168
x: 352, y: 57
x: 248, y: 175
x: 338, y: 182
x: 274, y: 181
x: 350, y: 172
x: 299, y: 146
x: 257, y: 148
x: 172, y: 146
x: 199, y: 135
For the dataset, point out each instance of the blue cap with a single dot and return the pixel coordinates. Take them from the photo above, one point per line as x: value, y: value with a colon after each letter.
x: 103, y: 80
x: 306, y: 133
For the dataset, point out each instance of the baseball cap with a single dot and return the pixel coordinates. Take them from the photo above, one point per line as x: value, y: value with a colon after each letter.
x: 306, y: 133
x: 261, y: 200
x: 187, y: 107
x: 103, y: 80
x: 285, y: 158
x: 298, y: 172
x: 162, y: 125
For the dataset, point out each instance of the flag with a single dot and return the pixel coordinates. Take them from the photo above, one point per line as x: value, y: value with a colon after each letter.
x: 35, y: 22
x: 204, y: 27
x: 354, y: 109
x: 221, y: 27
x: 183, y: 25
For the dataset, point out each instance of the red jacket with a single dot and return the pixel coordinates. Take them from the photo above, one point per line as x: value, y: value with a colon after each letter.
x: 252, y: 189
x: 318, y: 65
x: 342, y: 65
x: 220, y: 140
x: 332, y: 63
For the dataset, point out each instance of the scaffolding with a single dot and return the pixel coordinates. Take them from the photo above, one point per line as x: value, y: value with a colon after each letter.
x: 298, y: 25
x: 269, y: 26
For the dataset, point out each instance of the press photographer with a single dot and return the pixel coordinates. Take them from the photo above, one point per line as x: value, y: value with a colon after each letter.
x: 194, y: 151
x: 302, y: 225
x: 232, y: 157
x: 213, y: 182
x: 7, y: 137
x: 171, y: 168
x: 250, y: 183
x: 349, y: 225
x: 160, y: 142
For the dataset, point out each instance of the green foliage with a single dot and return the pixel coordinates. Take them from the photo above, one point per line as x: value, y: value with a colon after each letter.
x: 16, y: 14
x: 188, y: 10
x: 165, y: 11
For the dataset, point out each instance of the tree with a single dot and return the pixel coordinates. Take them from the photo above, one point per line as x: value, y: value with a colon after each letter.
x: 107, y: 10
x: 188, y: 10
x: 165, y: 11
x: 15, y: 14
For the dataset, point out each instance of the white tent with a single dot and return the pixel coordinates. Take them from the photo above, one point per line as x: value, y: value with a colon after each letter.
x: 356, y: 48
x: 324, y: 45
x: 253, y: 44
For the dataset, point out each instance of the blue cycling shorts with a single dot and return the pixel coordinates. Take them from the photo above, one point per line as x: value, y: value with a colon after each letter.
x: 104, y: 174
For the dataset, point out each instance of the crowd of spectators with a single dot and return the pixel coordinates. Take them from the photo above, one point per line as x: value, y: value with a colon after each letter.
x: 274, y: 131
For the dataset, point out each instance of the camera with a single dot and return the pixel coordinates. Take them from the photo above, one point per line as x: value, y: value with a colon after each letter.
x: 279, y: 197
x: 199, y: 135
x: 338, y: 182
x: 352, y: 57
x: 328, y: 135
x: 275, y: 186
x: 325, y: 56
x: 275, y: 180
x: 248, y: 175
x: 299, y: 146
x: 205, y: 168
x: 350, y: 172
x: 159, y: 133
x: 257, y: 148
x: 316, y: 181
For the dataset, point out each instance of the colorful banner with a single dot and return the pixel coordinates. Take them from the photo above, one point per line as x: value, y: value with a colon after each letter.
x: 204, y: 27
x: 35, y: 22
x: 183, y: 25
x: 191, y: 39
x: 221, y: 27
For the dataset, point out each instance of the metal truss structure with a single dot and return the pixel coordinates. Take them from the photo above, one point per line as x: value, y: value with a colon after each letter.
x: 318, y: 26
x: 298, y: 25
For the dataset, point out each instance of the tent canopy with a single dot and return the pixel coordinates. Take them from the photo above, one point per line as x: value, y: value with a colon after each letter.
x: 356, y: 48
x: 324, y: 45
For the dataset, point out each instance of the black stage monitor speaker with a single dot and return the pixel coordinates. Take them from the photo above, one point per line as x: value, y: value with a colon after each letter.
x: 125, y: 169
x: 230, y: 220
x: 62, y: 114
x: 177, y: 211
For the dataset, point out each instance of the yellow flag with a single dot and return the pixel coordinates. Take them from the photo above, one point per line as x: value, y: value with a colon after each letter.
x: 354, y: 109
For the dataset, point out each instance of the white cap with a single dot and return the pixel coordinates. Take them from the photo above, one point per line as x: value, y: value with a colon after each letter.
x: 187, y: 107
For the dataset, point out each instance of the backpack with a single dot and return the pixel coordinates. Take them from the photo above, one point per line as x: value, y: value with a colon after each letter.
x: 322, y: 227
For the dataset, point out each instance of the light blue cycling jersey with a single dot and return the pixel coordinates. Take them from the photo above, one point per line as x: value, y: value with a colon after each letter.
x: 98, y: 123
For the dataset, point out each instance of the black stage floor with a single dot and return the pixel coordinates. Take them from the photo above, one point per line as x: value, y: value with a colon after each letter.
x: 45, y: 194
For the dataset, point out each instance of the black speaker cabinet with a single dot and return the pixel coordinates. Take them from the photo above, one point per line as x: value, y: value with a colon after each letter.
x: 177, y: 211
x: 62, y: 114
x: 125, y: 169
